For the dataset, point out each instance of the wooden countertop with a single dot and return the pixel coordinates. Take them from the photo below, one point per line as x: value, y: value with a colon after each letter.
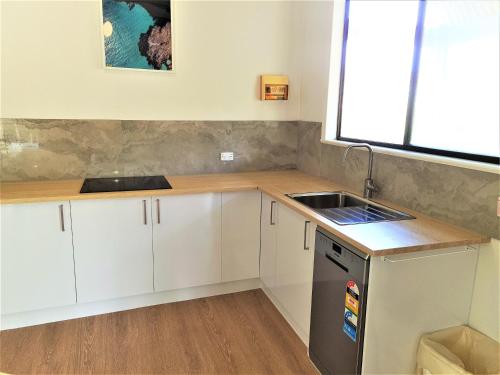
x: 384, y: 238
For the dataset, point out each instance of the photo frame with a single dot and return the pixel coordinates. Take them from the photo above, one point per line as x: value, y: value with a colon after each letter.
x: 138, y: 35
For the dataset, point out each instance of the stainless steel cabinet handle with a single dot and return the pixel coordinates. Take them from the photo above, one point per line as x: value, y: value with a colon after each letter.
x: 158, y: 211
x: 271, y: 221
x: 306, y: 242
x: 144, y: 210
x: 61, y: 217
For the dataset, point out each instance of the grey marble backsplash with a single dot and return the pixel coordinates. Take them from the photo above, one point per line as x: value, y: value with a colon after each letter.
x: 460, y: 196
x: 96, y: 148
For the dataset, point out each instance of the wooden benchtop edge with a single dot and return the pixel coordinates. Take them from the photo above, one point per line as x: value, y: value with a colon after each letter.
x: 376, y: 239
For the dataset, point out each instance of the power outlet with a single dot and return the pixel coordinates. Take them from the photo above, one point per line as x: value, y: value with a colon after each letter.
x: 20, y: 146
x: 226, y: 156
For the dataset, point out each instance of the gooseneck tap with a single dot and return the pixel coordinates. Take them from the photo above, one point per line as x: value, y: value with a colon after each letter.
x: 370, y: 186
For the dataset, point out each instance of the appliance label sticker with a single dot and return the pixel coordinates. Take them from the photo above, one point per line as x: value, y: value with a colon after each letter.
x: 352, y: 288
x: 351, y: 303
x: 350, y: 330
x: 350, y: 317
x: 351, y: 310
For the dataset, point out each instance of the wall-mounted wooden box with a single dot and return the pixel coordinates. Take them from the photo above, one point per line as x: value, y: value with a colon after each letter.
x: 273, y: 87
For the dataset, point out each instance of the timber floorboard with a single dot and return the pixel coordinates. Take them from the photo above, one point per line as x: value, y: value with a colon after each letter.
x: 238, y: 333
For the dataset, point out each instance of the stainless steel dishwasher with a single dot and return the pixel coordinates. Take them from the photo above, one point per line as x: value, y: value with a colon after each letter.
x: 338, y: 306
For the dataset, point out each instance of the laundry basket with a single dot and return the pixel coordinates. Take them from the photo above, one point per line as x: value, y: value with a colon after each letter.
x: 458, y: 350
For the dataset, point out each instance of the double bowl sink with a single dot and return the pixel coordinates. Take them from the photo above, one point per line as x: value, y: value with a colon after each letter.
x: 344, y: 208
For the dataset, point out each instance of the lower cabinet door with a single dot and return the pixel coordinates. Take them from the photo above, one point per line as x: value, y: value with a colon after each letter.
x: 187, y: 240
x: 294, y: 267
x: 36, y: 256
x: 240, y: 235
x: 113, y: 248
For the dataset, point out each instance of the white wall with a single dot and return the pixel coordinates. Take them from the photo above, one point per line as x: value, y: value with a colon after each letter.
x: 313, y: 22
x: 52, y: 63
x: 485, y: 310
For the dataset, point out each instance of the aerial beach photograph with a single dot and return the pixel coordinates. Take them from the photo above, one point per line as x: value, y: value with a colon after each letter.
x: 137, y: 34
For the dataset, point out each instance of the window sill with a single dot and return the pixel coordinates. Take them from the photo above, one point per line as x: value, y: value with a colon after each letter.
x: 468, y: 164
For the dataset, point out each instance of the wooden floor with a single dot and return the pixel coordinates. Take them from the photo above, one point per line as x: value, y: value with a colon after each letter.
x: 240, y: 333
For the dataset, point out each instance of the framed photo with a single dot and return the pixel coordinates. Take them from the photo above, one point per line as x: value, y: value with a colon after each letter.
x: 138, y: 34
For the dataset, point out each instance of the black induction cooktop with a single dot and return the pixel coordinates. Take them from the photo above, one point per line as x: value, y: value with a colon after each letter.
x: 101, y: 185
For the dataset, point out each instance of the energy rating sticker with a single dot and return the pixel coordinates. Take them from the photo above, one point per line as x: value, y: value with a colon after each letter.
x: 351, y: 303
x: 352, y: 296
x: 351, y: 310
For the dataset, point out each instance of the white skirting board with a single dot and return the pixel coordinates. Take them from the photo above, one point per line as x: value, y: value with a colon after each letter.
x: 31, y: 318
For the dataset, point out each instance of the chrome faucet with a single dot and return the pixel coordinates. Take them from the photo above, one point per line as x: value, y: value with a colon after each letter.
x: 370, y: 186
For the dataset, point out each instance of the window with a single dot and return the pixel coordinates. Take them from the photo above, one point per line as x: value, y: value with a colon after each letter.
x: 420, y: 76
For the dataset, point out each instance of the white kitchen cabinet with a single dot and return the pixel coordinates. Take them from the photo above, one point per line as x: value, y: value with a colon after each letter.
x: 240, y: 235
x: 187, y: 240
x: 268, y: 233
x: 412, y: 294
x: 294, y: 267
x: 36, y: 256
x: 113, y: 252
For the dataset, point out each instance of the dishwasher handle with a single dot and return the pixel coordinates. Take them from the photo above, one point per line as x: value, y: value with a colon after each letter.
x: 337, y: 263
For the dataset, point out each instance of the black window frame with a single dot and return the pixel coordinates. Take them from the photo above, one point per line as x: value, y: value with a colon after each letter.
x: 406, y: 145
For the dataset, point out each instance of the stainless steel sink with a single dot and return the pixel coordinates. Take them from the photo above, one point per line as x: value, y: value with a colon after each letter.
x: 345, y: 208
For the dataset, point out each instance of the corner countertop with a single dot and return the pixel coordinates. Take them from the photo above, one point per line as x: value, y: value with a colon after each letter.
x: 376, y: 239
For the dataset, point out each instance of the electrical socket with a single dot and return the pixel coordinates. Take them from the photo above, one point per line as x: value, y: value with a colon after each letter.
x: 226, y: 156
x: 20, y: 146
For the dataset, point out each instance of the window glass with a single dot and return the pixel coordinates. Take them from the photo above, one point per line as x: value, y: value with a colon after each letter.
x: 457, y: 97
x: 378, y: 63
